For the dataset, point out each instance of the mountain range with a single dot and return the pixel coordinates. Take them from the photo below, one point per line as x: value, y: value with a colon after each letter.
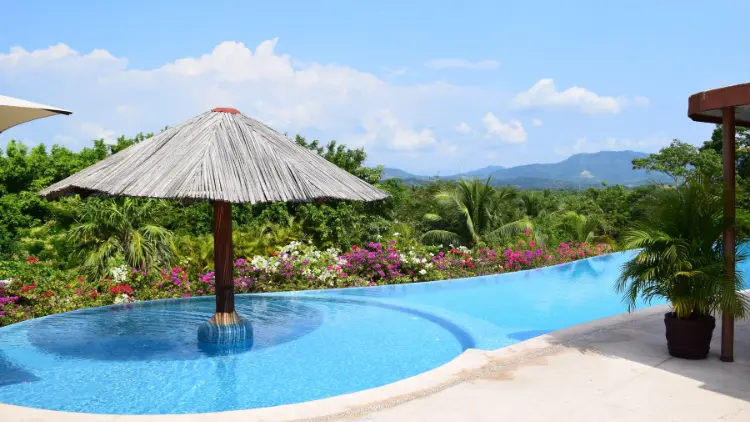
x: 575, y: 172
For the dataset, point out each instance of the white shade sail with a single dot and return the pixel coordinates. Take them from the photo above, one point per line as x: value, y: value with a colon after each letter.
x: 14, y: 111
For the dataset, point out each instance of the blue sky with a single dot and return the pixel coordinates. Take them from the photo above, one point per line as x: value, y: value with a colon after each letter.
x: 426, y: 86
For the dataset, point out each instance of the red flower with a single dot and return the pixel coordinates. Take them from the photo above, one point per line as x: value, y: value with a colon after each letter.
x: 94, y: 294
x: 121, y: 288
x: 32, y: 259
x: 49, y: 293
x: 27, y: 288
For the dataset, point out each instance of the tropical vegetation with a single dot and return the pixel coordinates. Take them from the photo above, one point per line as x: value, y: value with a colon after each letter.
x: 681, y: 253
x: 72, y: 253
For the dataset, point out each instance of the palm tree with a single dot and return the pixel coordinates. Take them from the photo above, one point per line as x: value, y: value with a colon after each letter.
x: 469, y: 214
x: 681, y: 253
x: 197, y: 250
x: 267, y: 236
x: 110, y: 231
x: 536, y: 204
x: 580, y: 228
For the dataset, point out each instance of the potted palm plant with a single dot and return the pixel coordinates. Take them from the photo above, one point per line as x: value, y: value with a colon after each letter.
x: 680, y: 257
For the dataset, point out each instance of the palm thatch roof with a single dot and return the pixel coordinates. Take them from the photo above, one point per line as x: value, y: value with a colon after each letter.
x: 220, y: 155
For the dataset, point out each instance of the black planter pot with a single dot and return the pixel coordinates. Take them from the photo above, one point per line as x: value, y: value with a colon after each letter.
x: 689, y: 338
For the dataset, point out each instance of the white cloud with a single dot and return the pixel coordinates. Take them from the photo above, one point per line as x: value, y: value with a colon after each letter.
x: 580, y: 145
x: 447, y: 149
x: 59, y: 58
x: 641, y: 101
x: 586, y: 174
x: 536, y: 122
x: 464, y: 127
x: 545, y: 94
x: 384, y: 128
x: 462, y: 64
x: 322, y: 100
x: 511, y: 132
x: 91, y: 130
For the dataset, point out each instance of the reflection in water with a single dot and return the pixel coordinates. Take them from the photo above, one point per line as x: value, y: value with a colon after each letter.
x: 584, y: 268
x: 13, y: 374
x: 226, y: 393
x: 168, y: 330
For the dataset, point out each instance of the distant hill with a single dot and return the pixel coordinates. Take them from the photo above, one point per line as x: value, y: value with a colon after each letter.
x: 486, y: 171
x: 577, y: 171
x: 391, y: 173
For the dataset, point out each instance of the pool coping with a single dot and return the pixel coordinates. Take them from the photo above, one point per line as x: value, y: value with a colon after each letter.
x: 470, y: 364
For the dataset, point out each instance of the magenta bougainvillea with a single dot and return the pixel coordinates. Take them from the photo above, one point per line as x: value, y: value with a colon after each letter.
x: 30, y: 289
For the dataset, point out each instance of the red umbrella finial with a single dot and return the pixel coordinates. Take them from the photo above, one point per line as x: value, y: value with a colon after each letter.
x: 226, y: 110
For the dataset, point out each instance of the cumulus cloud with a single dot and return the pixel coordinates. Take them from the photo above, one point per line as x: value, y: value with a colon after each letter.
x: 511, y: 132
x: 324, y: 100
x: 464, y: 127
x: 383, y: 127
x: 59, y: 58
x: 462, y: 64
x: 544, y: 94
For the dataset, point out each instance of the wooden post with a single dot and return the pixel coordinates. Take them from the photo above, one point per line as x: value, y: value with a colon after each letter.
x: 223, y: 264
x: 728, y: 156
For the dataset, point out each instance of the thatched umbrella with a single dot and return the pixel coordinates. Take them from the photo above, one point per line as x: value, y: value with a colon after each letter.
x: 14, y: 111
x: 224, y: 157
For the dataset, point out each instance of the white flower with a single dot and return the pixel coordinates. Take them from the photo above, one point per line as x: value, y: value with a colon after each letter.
x: 291, y: 246
x: 428, y: 265
x: 119, y: 274
x: 123, y: 298
x: 423, y: 271
x: 8, y: 281
x: 333, y: 251
x: 396, y: 234
x: 259, y: 262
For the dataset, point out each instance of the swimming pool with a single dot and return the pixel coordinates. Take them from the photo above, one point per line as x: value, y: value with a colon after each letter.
x: 144, y: 358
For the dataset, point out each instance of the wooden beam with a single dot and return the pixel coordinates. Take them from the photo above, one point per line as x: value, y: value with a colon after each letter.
x: 223, y: 260
x: 728, y: 156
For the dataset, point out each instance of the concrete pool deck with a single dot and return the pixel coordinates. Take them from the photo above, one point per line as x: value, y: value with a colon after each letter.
x: 613, y: 369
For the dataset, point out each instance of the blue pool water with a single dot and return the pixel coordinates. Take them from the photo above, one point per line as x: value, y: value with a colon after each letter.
x: 145, y: 359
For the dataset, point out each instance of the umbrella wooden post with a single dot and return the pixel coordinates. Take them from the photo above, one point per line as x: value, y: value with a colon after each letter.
x: 225, y: 326
x: 223, y: 266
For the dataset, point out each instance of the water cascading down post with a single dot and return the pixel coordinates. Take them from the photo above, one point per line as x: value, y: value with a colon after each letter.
x: 225, y: 326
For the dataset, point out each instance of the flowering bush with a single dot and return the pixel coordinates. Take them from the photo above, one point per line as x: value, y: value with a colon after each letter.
x: 29, y: 288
